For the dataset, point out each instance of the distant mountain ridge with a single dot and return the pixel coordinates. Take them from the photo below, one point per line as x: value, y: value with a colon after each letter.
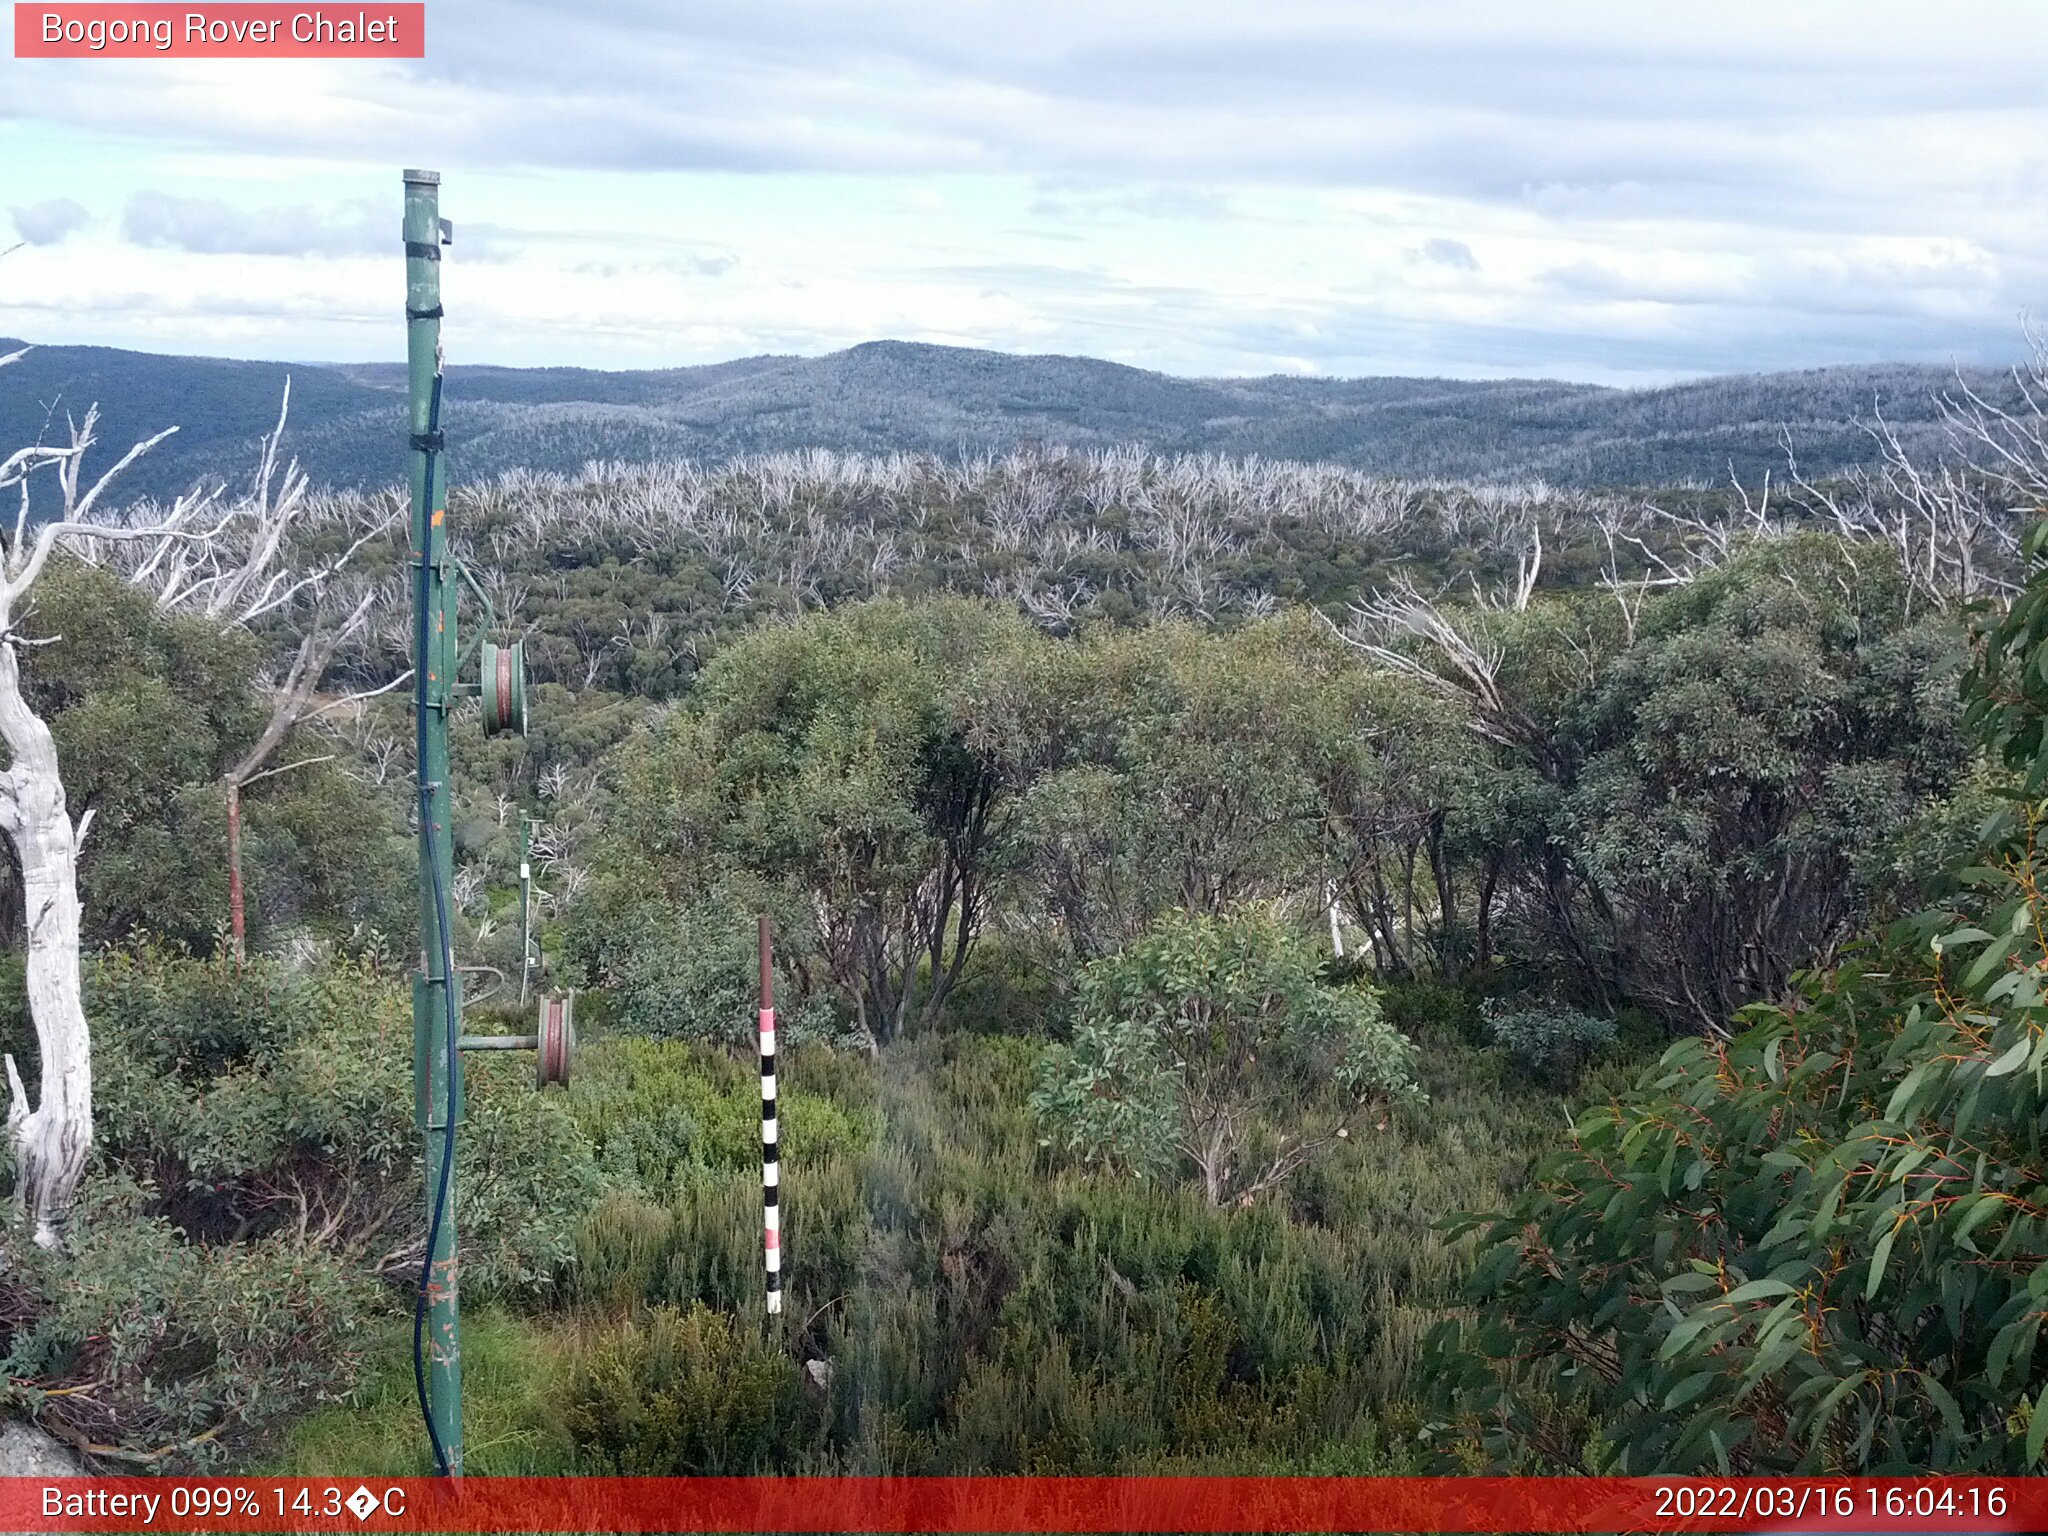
x: 890, y: 395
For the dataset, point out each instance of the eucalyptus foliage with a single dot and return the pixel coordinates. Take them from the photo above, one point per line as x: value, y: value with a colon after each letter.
x: 1821, y: 1244
x: 827, y: 762
x: 1174, y: 767
x: 148, y: 709
x: 1193, y: 1042
x: 1741, y: 770
x: 1553, y: 1040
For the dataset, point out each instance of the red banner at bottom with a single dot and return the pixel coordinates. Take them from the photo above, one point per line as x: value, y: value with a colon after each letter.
x: 1002, y: 1504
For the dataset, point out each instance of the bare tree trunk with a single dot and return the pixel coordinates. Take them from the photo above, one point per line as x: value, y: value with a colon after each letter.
x: 1389, y: 957
x: 292, y: 705
x: 237, y: 915
x: 1447, y: 955
x: 51, y: 1141
x: 1485, y: 934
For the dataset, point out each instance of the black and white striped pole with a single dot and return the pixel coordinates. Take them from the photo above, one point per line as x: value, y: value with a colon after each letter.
x: 771, y: 1158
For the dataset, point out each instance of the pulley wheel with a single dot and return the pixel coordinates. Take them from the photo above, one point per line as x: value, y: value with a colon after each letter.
x: 504, y: 688
x: 557, y: 1042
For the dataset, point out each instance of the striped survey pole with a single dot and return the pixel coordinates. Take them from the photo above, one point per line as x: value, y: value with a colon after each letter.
x: 771, y: 1160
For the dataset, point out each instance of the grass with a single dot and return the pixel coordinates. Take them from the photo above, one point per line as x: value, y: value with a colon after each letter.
x: 510, y: 1367
x: 986, y: 1305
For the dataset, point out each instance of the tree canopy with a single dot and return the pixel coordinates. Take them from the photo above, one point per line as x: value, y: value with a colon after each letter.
x: 1204, y: 1043
x: 1820, y: 1244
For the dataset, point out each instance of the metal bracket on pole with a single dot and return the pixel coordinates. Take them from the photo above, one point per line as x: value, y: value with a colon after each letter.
x: 553, y: 1042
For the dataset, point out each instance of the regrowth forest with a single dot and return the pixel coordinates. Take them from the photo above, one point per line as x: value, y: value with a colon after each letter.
x: 1280, y: 970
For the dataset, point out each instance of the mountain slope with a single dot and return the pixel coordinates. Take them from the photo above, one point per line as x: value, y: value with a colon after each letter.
x: 882, y: 396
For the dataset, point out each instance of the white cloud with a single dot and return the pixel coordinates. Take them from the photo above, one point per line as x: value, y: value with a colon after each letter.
x: 1444, y: 252
x: 1602, y: 189
x: 47, y: 223
x: 211, y: 227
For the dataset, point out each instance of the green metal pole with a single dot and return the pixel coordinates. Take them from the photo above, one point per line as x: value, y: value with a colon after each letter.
x: 437, y: 1071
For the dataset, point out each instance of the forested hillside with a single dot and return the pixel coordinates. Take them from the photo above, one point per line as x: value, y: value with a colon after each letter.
x: 1196, y: 880
x: 894, y: 396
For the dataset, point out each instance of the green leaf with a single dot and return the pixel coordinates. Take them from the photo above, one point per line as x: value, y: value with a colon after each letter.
x: 1878, y: 1257
x: 1755, y: 1290
x: 2012, y: 1058
x: 1999, y: 1357
x: 1943, y: 1401
x: 1694, y: 1324
x: 1696, y: 1281
x: 1689, y: 1389
x: 1824, y: 1414
x: 1994, y: 956
x: 1980, y: 1208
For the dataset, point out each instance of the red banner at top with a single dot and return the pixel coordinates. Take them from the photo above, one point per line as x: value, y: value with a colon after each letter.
x: 212, y: 31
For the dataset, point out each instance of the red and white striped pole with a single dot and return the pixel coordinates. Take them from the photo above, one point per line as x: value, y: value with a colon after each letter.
x: 771, y: 1159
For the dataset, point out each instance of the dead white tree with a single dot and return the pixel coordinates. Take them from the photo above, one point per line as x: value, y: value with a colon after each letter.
x: 1633, y: 579
x: 1514, y: 595
x: 1953, y: 522
x: 249, y: 572
x: 377, y: 752
x: 1418, y: 638
x: 53, y: 1137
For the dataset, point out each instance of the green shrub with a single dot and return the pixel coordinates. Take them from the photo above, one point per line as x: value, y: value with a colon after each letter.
x: 680, y: 1392
x: 1551, y: 1040
x: 689, y: 972
x: 1433, y: 1010
x: 1207, y: 1042
x: 249, y: 1096
x: 1818, y: 1245
x: 661, y: 1114
x: 192, y: 1349
x: 258, y: 1178
x: 984, y: 1306
x: 619, y: 1250
x: 1006, y: 990
x: 529, y: 1177
x: 253, y: 1099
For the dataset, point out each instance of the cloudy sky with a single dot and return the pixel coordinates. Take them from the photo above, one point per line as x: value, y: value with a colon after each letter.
x: 1627, y: 192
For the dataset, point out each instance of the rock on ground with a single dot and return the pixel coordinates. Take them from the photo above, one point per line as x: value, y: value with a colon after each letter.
x: 26, y: 1451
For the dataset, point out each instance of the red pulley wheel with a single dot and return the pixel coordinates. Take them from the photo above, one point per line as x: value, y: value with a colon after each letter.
x: 502, y: 684
x: 503, y: 687
x: 557, y: 1043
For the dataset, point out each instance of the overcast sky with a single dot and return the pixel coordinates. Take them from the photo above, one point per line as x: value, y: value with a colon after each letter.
x: 1628, y: 192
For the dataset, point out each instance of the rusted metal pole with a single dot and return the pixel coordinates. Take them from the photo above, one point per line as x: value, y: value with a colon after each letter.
x: 771, y: 1152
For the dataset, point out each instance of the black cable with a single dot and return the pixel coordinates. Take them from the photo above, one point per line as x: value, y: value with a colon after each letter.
x: 445, y: 946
